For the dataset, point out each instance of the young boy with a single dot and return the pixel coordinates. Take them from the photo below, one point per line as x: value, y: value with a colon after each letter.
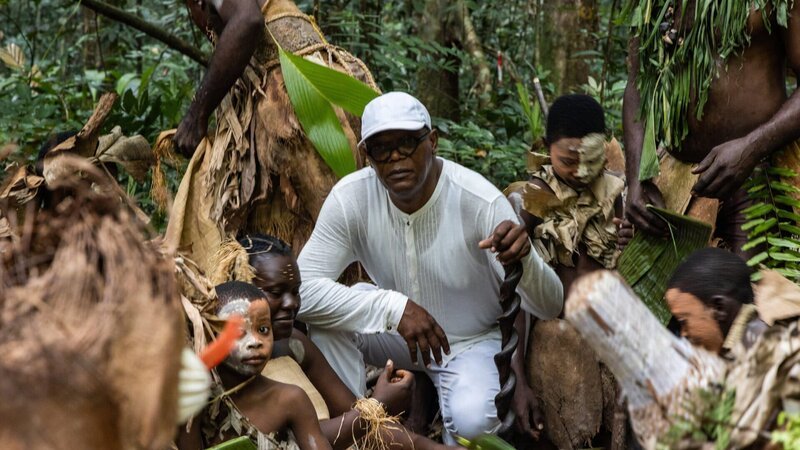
x: 568, y: 205
x: 245, y: 402
x: 574, y: 198
x: 711, y: 300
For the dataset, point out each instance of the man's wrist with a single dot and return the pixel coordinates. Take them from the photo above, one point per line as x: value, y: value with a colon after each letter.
x: 394, y: 311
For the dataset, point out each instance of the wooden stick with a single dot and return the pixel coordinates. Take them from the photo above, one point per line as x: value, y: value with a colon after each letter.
x: 537, y: 86
x: 172, y: 41
x: 655, y: 369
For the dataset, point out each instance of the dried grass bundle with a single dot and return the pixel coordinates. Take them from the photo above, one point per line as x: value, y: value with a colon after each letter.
x: 90, y: 325
x: 374, y: 414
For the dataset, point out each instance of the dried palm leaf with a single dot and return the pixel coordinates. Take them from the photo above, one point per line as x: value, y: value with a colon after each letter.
x: 12, y: 56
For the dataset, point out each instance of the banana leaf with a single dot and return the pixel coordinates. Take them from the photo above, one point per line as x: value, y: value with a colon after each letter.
x: 316, y: 115
x: 336, y: 87
x: 313, y: 90
x: 648, y: 262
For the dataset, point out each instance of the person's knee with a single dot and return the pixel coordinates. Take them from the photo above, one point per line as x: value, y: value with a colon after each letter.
x: 470, y: 415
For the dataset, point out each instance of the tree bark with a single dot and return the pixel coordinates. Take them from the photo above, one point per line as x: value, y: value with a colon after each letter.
x: 656, y: 370
x: 568, y: 27
x: 473, y: 46
x: 147, y: 28
x: 438, y: 87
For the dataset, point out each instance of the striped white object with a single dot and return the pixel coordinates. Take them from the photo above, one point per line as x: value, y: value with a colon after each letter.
x: 194, y: 385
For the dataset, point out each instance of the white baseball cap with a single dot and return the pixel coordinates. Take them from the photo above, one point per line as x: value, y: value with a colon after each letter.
x: 393, y: 111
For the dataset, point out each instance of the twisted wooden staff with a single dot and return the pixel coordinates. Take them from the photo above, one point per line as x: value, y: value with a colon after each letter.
x: 509, y: 301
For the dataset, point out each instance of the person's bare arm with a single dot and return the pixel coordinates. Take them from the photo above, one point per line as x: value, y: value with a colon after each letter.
x: 303, y: 419
x: 640, y: 193
x: 241, y: 24
x: 337, y: 396
x: 729, y: 164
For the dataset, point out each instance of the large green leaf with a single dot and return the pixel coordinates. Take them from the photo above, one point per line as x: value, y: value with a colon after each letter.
x: 649, y: 261
x: 316, y: 115
x: 648, y: 163
x: 336, y: 87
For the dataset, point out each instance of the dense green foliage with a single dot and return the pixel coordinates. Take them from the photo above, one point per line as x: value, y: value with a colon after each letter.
x: 71, y: 56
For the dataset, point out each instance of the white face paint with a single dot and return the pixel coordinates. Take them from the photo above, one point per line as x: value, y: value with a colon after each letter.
x: 252, y: 350
x: 591, y: 158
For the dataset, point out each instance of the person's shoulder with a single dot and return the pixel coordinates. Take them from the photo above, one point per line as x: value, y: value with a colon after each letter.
x: 289, y: 395
x: 276, y: 391
x: 470, y: 182
x: 356, y: 182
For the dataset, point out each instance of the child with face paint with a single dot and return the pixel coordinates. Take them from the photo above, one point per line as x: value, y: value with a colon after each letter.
x: 276, y: 273
x: 568, y: 204
x: 247, y: 403
x: 575, y: 232
x: 711, y: 300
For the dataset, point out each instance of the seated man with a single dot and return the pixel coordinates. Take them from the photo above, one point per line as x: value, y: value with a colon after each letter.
x: 711, y: 299
x: 247, y: 403
x: 276, y: 273
x: 430, y: 230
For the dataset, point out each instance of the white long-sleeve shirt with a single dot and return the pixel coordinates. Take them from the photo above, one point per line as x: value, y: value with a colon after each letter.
x: 430, y: 256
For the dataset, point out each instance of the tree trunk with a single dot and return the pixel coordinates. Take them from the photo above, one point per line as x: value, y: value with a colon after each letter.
x: 656, y: 371
x: 438, y: 87
x: 480, y: 66
x: 568, y: 27
x: 89, y: 49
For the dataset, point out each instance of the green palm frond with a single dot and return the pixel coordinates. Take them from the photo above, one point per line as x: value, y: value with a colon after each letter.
x: 649, y: 261
x: 772, y: 222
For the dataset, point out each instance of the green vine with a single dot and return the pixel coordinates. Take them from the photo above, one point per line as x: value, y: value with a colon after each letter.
x: 671, y: 76
x: 772, y: 222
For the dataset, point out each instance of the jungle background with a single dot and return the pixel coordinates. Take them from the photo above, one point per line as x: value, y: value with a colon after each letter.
x: 58, y: 57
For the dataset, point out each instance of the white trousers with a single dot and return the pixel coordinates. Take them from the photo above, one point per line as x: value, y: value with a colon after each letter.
x: 466, y: 385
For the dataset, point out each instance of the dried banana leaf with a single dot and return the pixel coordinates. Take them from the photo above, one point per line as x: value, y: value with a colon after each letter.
x: 649, y: 261
x: 535, y: 200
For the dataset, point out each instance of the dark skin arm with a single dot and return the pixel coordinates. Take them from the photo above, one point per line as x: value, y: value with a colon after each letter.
x: 303, y: 420
x: 240, y: 22
x: 729, y: 164
x: 640, y: 193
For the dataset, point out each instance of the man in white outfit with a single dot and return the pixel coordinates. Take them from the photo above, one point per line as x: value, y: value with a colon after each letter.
x: 430, y: 230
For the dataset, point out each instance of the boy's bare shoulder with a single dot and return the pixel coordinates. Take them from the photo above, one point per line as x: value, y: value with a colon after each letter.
x: 285, y: 394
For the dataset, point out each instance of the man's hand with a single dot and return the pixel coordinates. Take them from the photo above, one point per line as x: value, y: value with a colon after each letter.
x: 393, y: 389
x: 725, y: 169
x: 529, y: 420
x: 190, y: 132
x: 418, y: 327
x: 641, y: 194
x: 510, y: 242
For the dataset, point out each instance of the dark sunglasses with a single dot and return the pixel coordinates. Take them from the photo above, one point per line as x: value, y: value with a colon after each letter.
x: 405, y: 146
